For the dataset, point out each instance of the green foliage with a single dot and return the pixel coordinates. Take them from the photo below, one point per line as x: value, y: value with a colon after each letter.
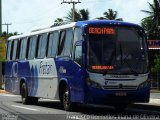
x: 156, y: 66
x: 84, y: 14
x: 80, y: 15
x: 69, y: 16
x: 152, y: 23
x: 110, y: 14
x: 59, y: 20
x: 4, y: 34
x: 4, y: 37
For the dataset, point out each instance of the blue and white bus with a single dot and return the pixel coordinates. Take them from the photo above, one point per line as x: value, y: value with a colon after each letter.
x: 96, y: 62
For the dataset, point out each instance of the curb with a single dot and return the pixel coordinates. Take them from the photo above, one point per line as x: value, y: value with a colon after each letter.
x: 154, y: 91
x: 3, y: 91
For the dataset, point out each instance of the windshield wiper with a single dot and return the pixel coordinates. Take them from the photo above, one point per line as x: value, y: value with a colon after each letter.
x: 124, y: 61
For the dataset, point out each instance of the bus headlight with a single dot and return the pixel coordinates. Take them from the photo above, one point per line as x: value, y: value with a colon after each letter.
x: 93, y: 83
x: 144, y: 84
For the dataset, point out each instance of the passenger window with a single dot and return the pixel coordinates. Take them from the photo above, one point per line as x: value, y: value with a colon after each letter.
x: 77, y: 34
x: 61, y: 42
x: 9, y: 50
x: 23, y: 48
x: 78, y: 54
x: 68, y: 43
x: 14, y: 49
x: 42, y: 46
x: 53, y: 44
x: 32, y: 47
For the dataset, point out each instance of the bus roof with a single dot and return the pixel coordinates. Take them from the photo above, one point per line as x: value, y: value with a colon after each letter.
x: 79, y: 23
x: 43, y: 31
x: 105, y: 22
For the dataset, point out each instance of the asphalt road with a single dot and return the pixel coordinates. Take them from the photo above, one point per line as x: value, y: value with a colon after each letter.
x: 11, y: 108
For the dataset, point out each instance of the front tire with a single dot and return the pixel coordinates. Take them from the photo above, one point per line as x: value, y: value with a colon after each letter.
x: 67, y: 104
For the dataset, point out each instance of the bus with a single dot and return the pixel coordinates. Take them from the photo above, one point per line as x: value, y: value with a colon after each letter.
x: 95, y: 62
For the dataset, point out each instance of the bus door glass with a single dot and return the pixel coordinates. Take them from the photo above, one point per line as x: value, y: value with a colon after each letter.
x: 78, y: 81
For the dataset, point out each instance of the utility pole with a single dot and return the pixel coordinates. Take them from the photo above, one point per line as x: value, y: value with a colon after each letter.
x: 7, y: 24
x: 72, y: 2
x: 0, y: 17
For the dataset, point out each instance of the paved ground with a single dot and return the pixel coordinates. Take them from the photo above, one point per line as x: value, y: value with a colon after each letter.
x: 11, y: 106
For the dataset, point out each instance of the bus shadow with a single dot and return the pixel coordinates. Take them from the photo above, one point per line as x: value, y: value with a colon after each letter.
x: 131, y: 110
x: 50, y: 104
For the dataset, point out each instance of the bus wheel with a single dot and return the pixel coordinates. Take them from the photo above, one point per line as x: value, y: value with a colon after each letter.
x: 24, y: 94
x: 67, y: 104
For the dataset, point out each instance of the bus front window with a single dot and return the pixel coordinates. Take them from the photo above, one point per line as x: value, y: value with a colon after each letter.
x: 117, y: 50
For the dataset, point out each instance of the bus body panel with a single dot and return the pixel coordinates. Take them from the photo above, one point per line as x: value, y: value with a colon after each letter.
x: 44, y: 74
x: 14, y: 73
x: 70, y: 72
x: 40, y: 76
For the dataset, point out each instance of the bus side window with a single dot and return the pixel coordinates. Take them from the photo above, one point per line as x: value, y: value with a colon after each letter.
x: 78, y: 54
x: 32, y: 47
x: 19, y: 48
x: 52, y: 44
x: 61, y: 42
x: 77, y: 34
x: 8, y: 50
x: 23, y: 48
x: 14, y: 49
x: 68, y: 43
x: 42, y: 45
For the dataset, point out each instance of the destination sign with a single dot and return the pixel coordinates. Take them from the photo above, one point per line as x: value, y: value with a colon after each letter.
x: 102, y: 30
x: 102, y: 67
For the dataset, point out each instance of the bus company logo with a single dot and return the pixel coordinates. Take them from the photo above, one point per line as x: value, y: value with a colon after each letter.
x: 106, y: 82
x: 62, y: 69
x: 45, y: 68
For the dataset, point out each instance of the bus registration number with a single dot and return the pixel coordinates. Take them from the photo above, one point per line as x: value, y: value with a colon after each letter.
x: 121, y: 93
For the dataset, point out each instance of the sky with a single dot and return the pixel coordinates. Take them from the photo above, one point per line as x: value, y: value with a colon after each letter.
x: 25, y: 15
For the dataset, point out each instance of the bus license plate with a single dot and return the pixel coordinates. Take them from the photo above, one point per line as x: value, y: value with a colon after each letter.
x: 121, y: 93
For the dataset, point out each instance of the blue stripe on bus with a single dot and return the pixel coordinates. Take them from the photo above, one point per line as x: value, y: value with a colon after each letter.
x: 35, y: 81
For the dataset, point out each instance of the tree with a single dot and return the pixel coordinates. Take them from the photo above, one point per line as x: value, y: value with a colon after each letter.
x: 84, y: 14
x: 146, y: 23
x: 156, y: 69
x: 69, y: 16
x: 154, y: 18
x: 59, y: 20
x: 80, y: 15
x: 4, y: 34
x: 110, y: 14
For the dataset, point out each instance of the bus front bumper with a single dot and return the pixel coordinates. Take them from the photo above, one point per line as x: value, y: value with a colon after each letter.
x: 105, y: 97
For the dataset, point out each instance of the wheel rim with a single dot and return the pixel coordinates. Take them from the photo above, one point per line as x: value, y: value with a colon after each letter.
x: 66, y: 99
x: 23, y: 94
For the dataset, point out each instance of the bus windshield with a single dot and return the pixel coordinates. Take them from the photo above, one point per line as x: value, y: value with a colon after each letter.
x: 117, y: 50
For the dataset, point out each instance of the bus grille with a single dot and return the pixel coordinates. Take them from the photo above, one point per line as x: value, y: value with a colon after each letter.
x: 120, y: 88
